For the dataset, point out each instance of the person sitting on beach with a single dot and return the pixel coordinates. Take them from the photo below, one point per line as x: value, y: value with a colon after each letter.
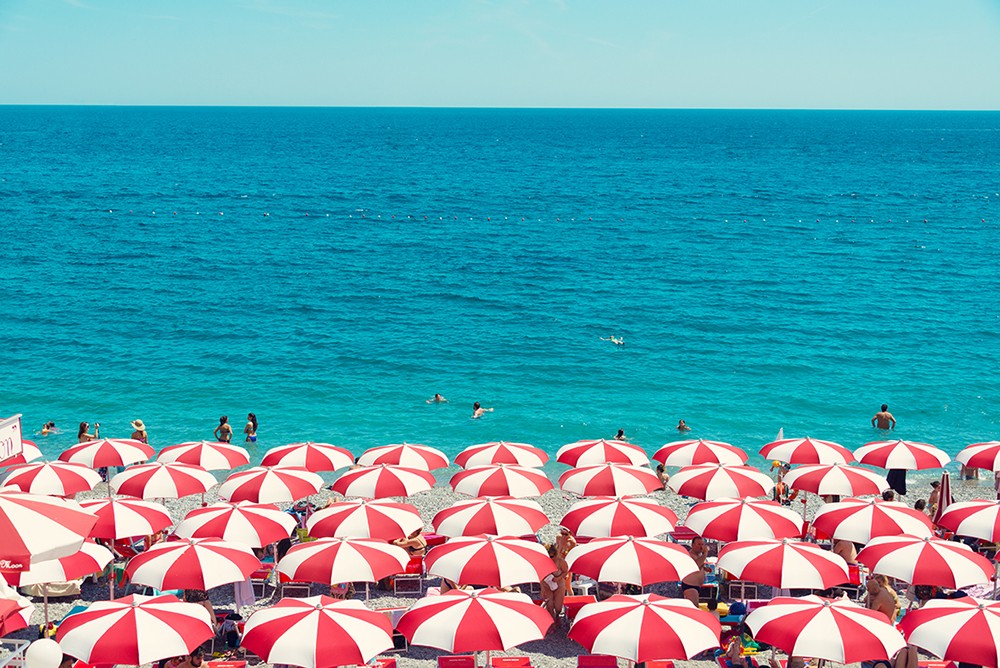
x: 883, y: 419
x: 734, y: 650
x: 67, y: 661
x: 682, y: 426
x: 691, y: 585
x: 920, y: 505
x: 224, y: 432
x: 437, y: 399
x: 662, y: 475
x: 194, y: 659
x: 888, y: 495
x: 847, y: 551
x: 415, y: 544
x: 251, y: 428
x: 793, y: 662
x: 882, y: 598
x: 84, y: 436
x: 478, y: 410
x: 139, y: 433
x: 229, y: 630
x: 615, y: 340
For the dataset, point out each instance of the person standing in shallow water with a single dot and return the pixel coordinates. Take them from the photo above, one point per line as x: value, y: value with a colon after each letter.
x: 224, y: 432
x: 251, y: 429
x: 883, y: 419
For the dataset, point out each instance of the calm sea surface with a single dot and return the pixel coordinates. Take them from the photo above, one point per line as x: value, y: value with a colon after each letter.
x: 330, y: 269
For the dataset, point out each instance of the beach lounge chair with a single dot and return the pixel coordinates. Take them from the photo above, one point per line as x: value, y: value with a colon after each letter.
x: 656, y: 663
x: 510, y: 661
x: 385, y: 662
x: 596, y: 661
x: 457, y: 661
x: 411, y: 581
x: 572, y: 604
x: 724, y: 661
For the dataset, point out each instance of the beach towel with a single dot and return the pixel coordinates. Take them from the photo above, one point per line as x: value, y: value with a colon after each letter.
x: 243, y: 593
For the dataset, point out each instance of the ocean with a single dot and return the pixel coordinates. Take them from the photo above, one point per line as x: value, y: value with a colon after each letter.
x: 331, y: 269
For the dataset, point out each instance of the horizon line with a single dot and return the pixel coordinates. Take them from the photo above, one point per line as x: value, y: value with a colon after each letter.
x: 487, y: 108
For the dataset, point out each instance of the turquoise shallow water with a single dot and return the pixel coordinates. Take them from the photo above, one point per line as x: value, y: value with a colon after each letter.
x: 330, y: 269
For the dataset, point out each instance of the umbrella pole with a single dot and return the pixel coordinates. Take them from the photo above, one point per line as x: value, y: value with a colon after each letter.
x: 45, y: 597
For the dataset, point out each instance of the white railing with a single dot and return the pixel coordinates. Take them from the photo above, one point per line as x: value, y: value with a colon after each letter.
x: 12, y: 652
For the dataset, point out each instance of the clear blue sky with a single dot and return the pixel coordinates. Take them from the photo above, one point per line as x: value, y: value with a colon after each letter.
x: 872, y: 54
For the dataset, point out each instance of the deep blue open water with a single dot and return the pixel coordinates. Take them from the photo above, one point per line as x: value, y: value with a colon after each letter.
x: 330, y: 269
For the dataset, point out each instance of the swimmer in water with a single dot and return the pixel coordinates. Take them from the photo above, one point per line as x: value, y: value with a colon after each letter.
x: 615, y: 340
x: 49, y: 428
x: 477, y: 411
x: 682, y: 426
x: 437, y: 399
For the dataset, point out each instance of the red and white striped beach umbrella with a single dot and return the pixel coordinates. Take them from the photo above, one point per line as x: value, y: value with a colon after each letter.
x: 409, y: 455
x: 788, y: 564
x: 646, y: 627
x: 108, y: 452
x: 606, y: 516
x: 38, y: 528
x: 497, y: 516
x: 336, y: 560
x: 501, y: 452
x: 836, y: 630
x: 383, y: 480
x: 944, y: 497
x: 963, y: 629
x: 364, y: 518
x: 209, y: 455
x: 698, y: 451
x: 860, y: 520
x: 29, y: 453
x: 978, y: 519
x: 250, y: 524
x: 192, y: 563
x: 718, y: 481
x: 743, y: 519
x: 984, y: 455
x: 126, y: 517
x: 266, y: 484
x: 501, y: 480
x: 490, y: 561
x: 807, y: 451
x: 53, y: 478
x: 310, y: 456
x: 157, y: 480
x: 836, y: 479
x: 638, y: 561
x: 908, y: 455
x: 610, y: 480
x: 474, y: 621
x: 91, y: 558
x: 926, y: 561
x: 600, y: 451
x: 317, y: 632
x: 135, y: 630
x: 15, y: 614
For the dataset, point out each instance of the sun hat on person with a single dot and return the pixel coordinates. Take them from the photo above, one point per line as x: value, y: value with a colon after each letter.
x: 138, y: 425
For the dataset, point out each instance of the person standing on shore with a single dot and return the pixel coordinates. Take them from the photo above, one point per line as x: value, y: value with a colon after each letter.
x: 224, y: 432
x: 251, y: 429
x: 883, y: 419
x: 691, y: 585
x: 140, y: 432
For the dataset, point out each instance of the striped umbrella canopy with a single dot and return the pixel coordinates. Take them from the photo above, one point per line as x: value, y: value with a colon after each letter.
x: 365, y: 518
x: 860, y: 520
x: 498, y: 516
x: 311, y: 456
x: 91, y: 558
x: 908, y: 455
x: 605, y: 516
x: 267, y: 484
x: 501, y: 480
x: 984, y: 455
x: 977, y: 519
x: 963, y: 629
x: 836, y: 630
x: 54, y: 478
x: 157, y: 480
x: 699, y: 451
x: 15, y: 614
x: 474, y: 621
x: 383, y: 480
x: 718, y: 481
x: 784, y: 563
x: 29, y: 453
x: 646, y: 627
x: 926, y: 561
x: 944, y: 497
x: 37, y: 528
x: 108, y: 452
x: 836, y: 479
x: 126, y: 517
x: 135, y: 630
x: 501, y: 452
x: 336, y: 560
x: 489, y: 560
x: 610, y: 480
x: 638, y: 561
x: 743, y: 519
x: 807, y: 451
x: 209, y: 455
x: 317, y: 632
x: 409, y: 455
x: 600, y: 451
x: 192, y: 563
x: 246, y: 523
